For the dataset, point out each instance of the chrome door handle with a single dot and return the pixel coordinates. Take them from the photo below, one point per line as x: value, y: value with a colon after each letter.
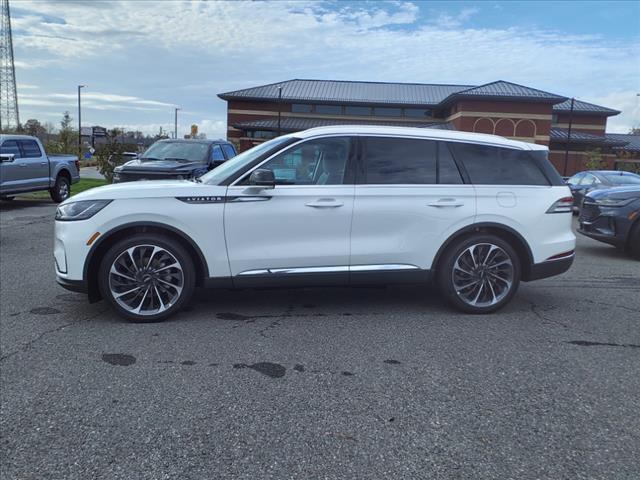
x: 22, y: 164
x: 446, y: 202
x: 324, y: 203
x: 43, y: 163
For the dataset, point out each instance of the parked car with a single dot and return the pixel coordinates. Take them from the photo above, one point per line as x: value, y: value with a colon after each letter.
x: 175, y: 159
x: 25, y: 167
x: 584, y: 182
x: 328, y: 206
x: 613, y: 216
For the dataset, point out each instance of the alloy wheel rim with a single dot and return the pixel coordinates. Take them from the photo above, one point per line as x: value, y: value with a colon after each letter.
x: 146, y: 279
x: 64, y: 190
x: 482, y: 275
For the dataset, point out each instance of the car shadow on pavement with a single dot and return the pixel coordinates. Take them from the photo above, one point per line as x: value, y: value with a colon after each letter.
x: 20, y: 203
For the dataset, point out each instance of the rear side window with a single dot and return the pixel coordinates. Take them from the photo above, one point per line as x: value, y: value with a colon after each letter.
x: 30, y: 149
x: 487, y: 165
x: 229, y: 151
x: 216, y: 153
x: 399, y: 161
x: 11, y: 147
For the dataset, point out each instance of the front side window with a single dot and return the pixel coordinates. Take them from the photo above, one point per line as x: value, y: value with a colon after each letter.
x: 488, y: 165
x: 316, y: 162
x: 575, y: 179
x: 229, y: 151
x: 399, y: 161
x: 30, y: 149
x: 216, y: 153
x: 11, y: 147
x: 588, y: 179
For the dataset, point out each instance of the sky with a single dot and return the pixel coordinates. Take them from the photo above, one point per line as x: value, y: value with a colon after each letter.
x: 140, y: 59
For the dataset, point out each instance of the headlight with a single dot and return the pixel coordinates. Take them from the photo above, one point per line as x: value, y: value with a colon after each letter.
x: 80, y: 210
x: 614, y: 202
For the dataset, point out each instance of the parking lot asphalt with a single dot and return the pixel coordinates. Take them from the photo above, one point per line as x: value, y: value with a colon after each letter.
x: 328, y: 383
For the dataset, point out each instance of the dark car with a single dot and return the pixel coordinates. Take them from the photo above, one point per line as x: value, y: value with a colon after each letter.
x: 175, y: 159
x: 613, y: 216
x: 583, y: 182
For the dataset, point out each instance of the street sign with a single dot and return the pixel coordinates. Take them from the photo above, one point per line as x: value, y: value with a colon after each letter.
x: 99, y: 132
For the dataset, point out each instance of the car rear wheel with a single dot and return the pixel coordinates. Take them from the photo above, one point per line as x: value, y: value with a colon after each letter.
x: 147, y: 278
x: 61, y: 190
x: 479, y: 274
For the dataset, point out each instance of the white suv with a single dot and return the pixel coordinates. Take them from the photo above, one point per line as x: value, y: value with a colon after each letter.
x: 346, y: 205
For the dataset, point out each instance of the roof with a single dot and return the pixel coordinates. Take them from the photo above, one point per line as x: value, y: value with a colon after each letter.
x: 502, y: 90
x: 295, y: 124
x: 562, y: 135
x: 431, y: 133
x: 633, y: 141
x: 193, y: 140
x: 583, y: 107
x: 301, y: 90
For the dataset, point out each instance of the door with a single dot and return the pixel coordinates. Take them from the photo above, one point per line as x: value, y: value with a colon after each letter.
x: 301, y: 226
x: 410, y: 196
x: 28, y: 171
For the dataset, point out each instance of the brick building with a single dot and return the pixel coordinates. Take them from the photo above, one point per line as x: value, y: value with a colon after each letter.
x: 502, y: 108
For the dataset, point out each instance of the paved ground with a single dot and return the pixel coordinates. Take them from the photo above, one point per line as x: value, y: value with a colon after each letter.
x: 91, y: 172
x: 326, y: 383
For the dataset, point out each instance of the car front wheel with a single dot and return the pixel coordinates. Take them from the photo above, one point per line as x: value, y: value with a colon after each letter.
x: 479, y: 274
x: 147, y: 278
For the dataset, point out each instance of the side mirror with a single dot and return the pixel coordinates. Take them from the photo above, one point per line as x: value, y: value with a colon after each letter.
x: 7, y: 157
x: 263, y: 178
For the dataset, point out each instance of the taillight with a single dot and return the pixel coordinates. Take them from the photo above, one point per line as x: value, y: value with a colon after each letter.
x: 78, y: 165
x: 563, y: 205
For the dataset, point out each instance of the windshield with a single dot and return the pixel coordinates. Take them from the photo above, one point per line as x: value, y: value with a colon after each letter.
x: 623, y: 179
x: 180, y: 151
x: 228, y: 168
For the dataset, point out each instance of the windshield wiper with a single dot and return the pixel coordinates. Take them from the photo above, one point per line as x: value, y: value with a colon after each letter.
x: 150, y: 158
x: 177, y: 159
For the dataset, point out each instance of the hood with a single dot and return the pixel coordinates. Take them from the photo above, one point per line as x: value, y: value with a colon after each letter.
x: 149, y: 189
x: 139, y: 165
x: 631, y: 191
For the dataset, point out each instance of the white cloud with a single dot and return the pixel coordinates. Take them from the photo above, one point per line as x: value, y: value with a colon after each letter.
x: 185, y: 53
x: 628, y: 102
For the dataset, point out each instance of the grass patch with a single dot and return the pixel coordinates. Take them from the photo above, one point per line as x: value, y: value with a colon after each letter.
x: 81, y: 186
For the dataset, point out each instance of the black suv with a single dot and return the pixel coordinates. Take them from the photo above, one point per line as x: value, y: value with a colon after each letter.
x: 175, y: 159
x: 613, y: 216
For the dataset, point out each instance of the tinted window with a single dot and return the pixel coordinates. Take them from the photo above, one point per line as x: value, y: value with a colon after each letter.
x: 623, y: 179
x: 575, y: 179
x: 357, y: 110
x: 216, y: 153
x: 399, y: 161
x: 316, y: 162
x: 229, y: 151
x: 387, y: 112
x: 329, y: 109
x: 30, y: 149
x: 300, y: 108
x: 11, y: 146
x: 417, y: 112
x: 447, y: 170
x: 498, y: 166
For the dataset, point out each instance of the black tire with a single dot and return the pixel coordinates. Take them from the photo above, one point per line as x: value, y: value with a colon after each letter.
x: 111, y: 284
x: 61, y: 190
x: 6, y: 199
x: 634, y: 241
x: 451, y: 277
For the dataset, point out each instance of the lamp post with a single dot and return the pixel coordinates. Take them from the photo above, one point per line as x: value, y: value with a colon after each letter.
x: 279, y: 110
x: 566, y: 151
x: 80, y: 124
x: 175, y: 123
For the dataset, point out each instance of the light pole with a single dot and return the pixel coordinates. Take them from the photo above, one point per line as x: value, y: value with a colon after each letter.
x: 79, y: 124
x: 279, y: 110
x: 566, y: 151
x: 175, y: 123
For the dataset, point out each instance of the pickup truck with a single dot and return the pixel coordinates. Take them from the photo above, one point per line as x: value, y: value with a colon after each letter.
x: 25, y: 167
x: 175, y: 159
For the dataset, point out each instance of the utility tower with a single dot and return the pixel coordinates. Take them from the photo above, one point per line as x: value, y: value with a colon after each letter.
x: 9, y: 116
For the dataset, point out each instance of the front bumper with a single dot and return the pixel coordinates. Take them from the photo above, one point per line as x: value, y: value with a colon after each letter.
x: 602, y: 224
x: 78, y: 286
